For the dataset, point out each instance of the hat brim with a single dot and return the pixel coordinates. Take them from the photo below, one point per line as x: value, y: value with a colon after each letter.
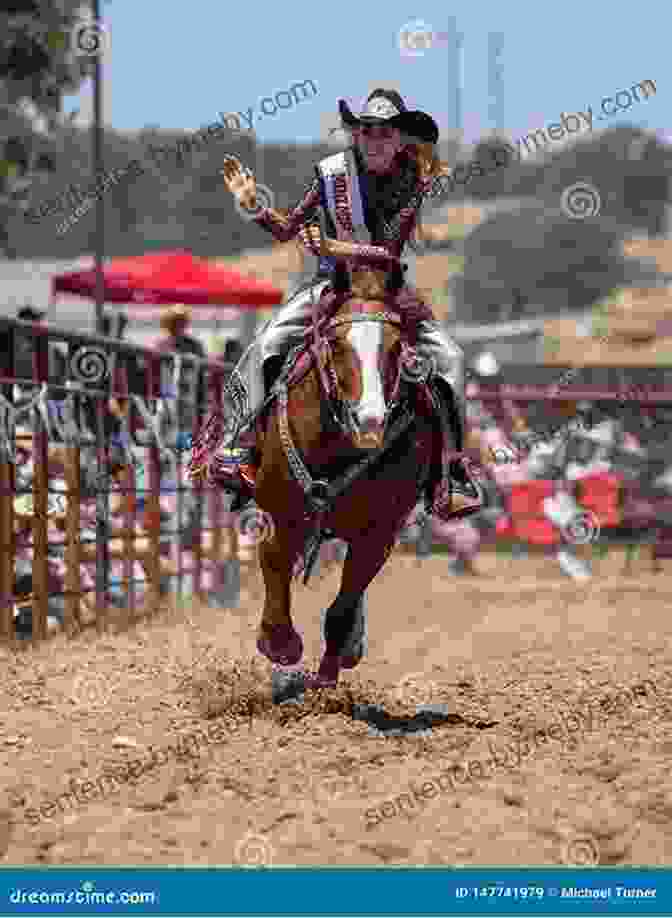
x: 418, y: 125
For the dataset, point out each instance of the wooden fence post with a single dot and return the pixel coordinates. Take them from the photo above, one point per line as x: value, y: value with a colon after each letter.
x: 40, y: 499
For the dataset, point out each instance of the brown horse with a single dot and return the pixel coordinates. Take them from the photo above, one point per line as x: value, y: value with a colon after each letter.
x: 348, y: 446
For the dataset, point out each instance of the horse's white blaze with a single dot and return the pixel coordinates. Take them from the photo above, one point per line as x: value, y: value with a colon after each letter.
x: 366, y: 339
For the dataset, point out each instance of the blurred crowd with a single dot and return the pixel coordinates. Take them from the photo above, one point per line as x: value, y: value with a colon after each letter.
x: 592, y: 479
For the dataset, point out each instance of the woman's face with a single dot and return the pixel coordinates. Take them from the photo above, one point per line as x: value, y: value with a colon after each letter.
x: 378, y: 145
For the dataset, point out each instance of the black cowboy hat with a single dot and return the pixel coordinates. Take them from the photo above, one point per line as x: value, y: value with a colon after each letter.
x: 30, y: 314
x: 385, y: 106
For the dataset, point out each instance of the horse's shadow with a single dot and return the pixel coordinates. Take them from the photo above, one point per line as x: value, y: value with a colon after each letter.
x: 289, y: 687
x: 425, y: 719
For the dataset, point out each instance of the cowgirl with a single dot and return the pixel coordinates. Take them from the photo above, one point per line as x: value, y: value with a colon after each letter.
x: 368, y: 198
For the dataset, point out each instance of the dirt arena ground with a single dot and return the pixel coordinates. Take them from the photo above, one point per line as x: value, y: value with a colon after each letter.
x: 161, y: 745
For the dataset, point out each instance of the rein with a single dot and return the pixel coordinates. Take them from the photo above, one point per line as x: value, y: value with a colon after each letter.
x: 322, y: 494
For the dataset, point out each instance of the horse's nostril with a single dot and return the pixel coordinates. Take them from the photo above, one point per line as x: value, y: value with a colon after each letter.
x: 370, y: 434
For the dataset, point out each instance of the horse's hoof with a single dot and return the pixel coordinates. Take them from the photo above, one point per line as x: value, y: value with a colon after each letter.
x: 284, y: 646
x: 288, y: 686
x: 355, y: 646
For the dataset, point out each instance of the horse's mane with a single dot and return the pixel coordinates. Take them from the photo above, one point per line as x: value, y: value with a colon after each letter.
x: 406, y: 305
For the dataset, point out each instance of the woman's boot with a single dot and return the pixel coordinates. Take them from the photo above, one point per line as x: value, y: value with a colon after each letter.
x: 244, y: 460
x: 458, y: 495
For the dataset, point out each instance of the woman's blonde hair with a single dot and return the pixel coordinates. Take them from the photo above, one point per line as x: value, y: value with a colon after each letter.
x: 427, y: 159
x: 429, y: 166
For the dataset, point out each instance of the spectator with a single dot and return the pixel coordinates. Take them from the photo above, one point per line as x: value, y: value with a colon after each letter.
x: 175, y: 322
x: 25, y: 350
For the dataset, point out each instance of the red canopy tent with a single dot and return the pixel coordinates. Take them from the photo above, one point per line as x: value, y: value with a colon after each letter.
x: 165, y: 278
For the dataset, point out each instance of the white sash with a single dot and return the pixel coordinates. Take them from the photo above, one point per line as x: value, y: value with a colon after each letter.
x: 344, y: 164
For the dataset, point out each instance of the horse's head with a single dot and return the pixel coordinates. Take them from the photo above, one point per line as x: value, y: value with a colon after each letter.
x: 364, y: 345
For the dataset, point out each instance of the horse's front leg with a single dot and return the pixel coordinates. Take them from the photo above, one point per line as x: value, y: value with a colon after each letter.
x: 345, y: 619
x: 276, y: 637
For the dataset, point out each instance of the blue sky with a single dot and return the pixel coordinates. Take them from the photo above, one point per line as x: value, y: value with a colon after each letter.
x: 176, y: 65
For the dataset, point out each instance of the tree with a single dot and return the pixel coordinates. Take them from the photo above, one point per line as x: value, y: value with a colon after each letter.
x: 527, y: 259
x: 36, y: 67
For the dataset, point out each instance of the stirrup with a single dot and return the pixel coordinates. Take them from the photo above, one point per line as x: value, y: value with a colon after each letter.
x: 460, y: 496
x: 237, y: 455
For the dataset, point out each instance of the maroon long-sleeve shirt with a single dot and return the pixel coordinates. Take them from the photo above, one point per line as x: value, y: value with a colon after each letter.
x: 391, y: 206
